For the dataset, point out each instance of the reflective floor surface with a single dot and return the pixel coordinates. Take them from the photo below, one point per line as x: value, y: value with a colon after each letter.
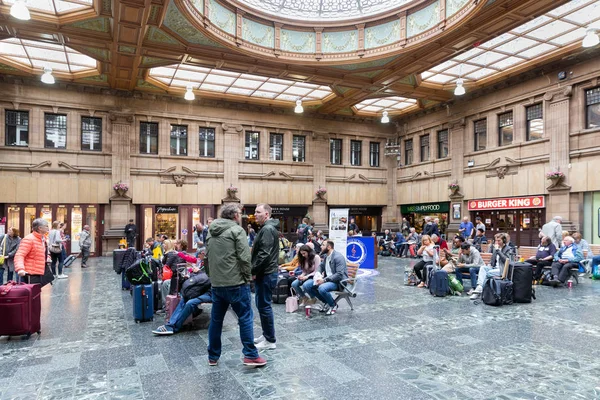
x: 398, y: 343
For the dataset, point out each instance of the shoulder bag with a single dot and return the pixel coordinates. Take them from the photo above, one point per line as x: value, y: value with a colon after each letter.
x: 3, y: 250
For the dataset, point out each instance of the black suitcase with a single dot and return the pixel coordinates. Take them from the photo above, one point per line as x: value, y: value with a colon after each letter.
x: 157, y: 289
x: 117, y: 259
x: 522, y: 278
x: 282, y: 290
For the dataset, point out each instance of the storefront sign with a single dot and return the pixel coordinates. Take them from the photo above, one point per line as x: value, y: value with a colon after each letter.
x: 507, y: 203
x: 167, y: 209
x: 277, y: 211
x: 425, y: 208
x: 361, y: 250
x: 370, y: 211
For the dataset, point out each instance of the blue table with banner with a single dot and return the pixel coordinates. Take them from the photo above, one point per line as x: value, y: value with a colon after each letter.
x: 361, y: 250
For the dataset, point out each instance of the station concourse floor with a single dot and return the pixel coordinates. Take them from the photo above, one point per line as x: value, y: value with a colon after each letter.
x: 398, y: 343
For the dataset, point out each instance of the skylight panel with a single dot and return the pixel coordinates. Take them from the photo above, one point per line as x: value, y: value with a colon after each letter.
x: 439, y: 78
x: 253, y: 77
x: 20, y: 60
x: 537, y: 50
x: 461, y: 69
x: 164, y: 80
x: 531, y: 24
x: 219, y: 79
x: 507, y: 62
x: 247, y: 83
x: 482, y: 73
x: 42, y: 54
x: 371, y: 109
x: 287, y: 97
x: 319, y: 94
x: 42, y: 5
x: 235, y: 90
x: 183, y: 83
x: 14, y: 49
x: 426, y: 74
x: 300, y: 91
x: 280, y: 81
x: 494, y: 42
x: 213, y: 88
x: 468, y: 54
x: 274, y: 87
x: 443, y: 66
x: 61, y: 67
x: 81, y: 59
x: 552, y: 29
x: 570, y: 6
x: 43, y: 45
x: 487, y: 58
x: 162, y: 71
x: 78, y: 68
x: 402, y: 106
x: 266, y: 95
x: 385, y: 103
x: 191, y: 75
x: 64, y: 6
x: 569, y: 37
x: 516, y: 45
x: 585, y: 15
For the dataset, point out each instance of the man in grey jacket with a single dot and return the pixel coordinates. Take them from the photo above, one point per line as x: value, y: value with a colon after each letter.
x: 227, y: 264
x: 553, y: 230
x: 333, y: 272
x: 85, y: 243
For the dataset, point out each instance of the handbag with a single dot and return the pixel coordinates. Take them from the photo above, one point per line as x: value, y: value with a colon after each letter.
x: 291, y: 303
x: 55, y: 247
x: 3, y: 250
x: 167, y: 273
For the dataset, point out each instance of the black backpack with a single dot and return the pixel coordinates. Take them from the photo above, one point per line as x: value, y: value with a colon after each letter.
x: 282, y: 289
x: 143, y: 271
x: 195, y: 286
x: 438, y: 283
x: 497, y: 292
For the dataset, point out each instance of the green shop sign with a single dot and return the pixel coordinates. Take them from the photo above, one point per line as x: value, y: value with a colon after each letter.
x: 425, y: 208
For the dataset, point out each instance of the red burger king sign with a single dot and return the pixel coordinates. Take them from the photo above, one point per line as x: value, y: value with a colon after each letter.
x: 509, y: 203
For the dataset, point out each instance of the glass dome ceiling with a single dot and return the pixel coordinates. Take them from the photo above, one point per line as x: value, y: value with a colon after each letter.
x: 323, y: 10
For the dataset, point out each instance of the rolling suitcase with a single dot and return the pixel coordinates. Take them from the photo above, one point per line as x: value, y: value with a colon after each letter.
x: 125, y: 285
x: 117, y: 259
x: 69, y: 260
x: 20, y: 309
x: 157, y: 289
x: 143, y: 303
x: 522, y: 278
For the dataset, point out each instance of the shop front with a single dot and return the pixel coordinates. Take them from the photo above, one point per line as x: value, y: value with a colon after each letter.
x: 174, y: 221
x: 520, y: 217
x: 416, y: 213
x: 289, y: 218
x: 367, y: 218
x: 75, y: 216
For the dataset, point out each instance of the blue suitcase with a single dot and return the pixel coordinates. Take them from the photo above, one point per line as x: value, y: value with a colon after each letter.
x: 125, y: 285
x: 143, y: 303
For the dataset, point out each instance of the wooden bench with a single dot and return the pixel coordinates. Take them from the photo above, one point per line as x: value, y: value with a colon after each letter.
x: 348, y: 285
x: 526, y: 252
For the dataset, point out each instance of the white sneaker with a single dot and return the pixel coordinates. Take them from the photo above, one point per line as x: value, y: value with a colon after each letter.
x: 266, y: 345
x: 260, y: 339
x: 62, y: 276
x: 475, y: 296
x: 478, y: 289
x: 470, y: 292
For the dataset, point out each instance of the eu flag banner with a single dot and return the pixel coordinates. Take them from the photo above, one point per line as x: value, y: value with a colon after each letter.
x: 361, y: 250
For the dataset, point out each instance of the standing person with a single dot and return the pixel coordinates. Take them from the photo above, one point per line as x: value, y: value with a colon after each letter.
x: 466, y: 228
x: 405, y: 227
x: 251, y: 235
x: 553, y: 230
x: 205, y: 230
x: 199, y: 238
x: 9, y: 244
x: 352, y: 226
x: 479, y: 224
x: 31, y: 255
x: 265, y: 255
x: 435, y: 227
x: 56, y: 250
x: 130, y: 233
x: 427, y: 226
x: 229, y: 269
x: 302, y: 231
x: 85, y: 243
x: 64, y: 238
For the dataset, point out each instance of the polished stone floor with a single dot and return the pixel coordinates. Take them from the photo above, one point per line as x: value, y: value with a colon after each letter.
x: 398, y: 343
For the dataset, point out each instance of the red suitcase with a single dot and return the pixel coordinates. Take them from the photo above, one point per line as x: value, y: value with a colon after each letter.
x: 20, y: 309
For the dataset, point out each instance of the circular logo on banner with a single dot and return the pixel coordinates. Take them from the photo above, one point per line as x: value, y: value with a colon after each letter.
x: 473, y: 204
x: 536, y: 201
x: 356, y: 251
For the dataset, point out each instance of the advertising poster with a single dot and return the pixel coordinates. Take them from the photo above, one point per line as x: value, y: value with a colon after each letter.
x: 338, y: 227
x: 361, y: 250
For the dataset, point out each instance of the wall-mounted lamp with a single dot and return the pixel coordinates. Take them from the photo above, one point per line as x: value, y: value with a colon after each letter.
x: 471, y: 163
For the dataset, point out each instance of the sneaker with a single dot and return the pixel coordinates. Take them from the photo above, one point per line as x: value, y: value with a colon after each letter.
x: 163, y: 331
x: 84, y: 266
x: 332, y: 310
x: 475, y: 296
x: 260, y: 339
x: 213, y: 363
x: 266, y: 345
x: 325, y: 308
x: 470, y: 292
x: 255, y: 362
x: 62, y: 276
x: 478, y: 289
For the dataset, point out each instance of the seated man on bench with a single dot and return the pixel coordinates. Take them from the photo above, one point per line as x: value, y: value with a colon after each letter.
x: 543, y: 257
x: 501, y: 253
x: 566, y: 258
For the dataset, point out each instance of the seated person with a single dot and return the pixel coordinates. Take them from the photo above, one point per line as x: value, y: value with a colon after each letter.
x: 187, y: 307
x: 292, y: 265
x: 583, y: 245
x: 386, y: 239
x: 400, y: 245
x: 543, y: 257
x: 502, y: 252
x: 480, y: 240
x: 566, y: 258
x: 427, y: 251
x: 439, y: 242
x: 469, y: 261
x: 332, y: 271
x: 170, y: 259
x: 456, y: 244
x: 309, y: 262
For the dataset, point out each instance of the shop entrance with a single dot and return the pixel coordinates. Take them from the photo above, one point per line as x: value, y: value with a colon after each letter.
x: 523, y: 226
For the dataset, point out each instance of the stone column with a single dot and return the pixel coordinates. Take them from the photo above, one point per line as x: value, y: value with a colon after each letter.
x: 231, y: 161
x: 457, y: 139
x: 391, y: 213
x: 320, y: 158
x: 121, y: 212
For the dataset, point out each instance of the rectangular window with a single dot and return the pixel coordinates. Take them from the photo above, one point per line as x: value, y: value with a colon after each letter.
x: 535, y: 122
x: 17, y: 128
x: 207, y: 142
x: 480, y: 134
x: 355, y: 152
x: 442, y: 143
x: 505, y: 128
x: 56, y: 131
x: 299, y: 149
x: 252, y: 141
x: 148, y: 137
x: 592, y: 102
x: 179, y: 140
x: 91, y: 133
x: 424, y: 148
x: 374, y: 154
x: 408, y: 152
x: 276, y: 146
x: 335, y: 151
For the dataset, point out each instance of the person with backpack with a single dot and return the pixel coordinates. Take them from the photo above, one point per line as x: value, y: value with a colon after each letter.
x: 303, y: 230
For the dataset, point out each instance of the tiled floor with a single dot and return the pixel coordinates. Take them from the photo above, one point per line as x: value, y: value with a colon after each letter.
x: 398, y: 343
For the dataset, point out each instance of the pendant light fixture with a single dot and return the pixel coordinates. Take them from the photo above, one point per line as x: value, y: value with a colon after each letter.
x: 20, y: 11
x: 460, y: 89
x: 299, y: 109
x: 384, y: 118
x: 47, y: 76
x: 189, y: 93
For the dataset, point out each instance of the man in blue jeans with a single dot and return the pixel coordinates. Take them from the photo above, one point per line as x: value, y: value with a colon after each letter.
x: 228, y: 266
x: 265, y: 256
x: 333, y: 271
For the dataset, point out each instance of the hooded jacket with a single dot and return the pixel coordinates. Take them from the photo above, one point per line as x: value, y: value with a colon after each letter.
x: 228, y: 254
x: 265, y: 250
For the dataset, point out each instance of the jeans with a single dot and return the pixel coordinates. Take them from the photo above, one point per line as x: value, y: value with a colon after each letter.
x: 486, y: 272
x: 402, y: 249
x: 321, y: 292
x: 8, y: 276
x: 185, y: 309
x: 57, y: 258
x: 85, y: 254
x: 240, y: 299
x: 301, y: 287
x: 459, y: 271
x: 263, y: 290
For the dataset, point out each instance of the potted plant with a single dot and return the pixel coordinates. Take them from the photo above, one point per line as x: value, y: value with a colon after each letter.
x: 121, y: 188
x: 321, y: 192
x: 555, y: 176
x: 453, y: 187
x: 232, y: 191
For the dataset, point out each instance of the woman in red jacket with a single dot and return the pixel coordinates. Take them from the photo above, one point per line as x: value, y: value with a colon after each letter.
x: 31, y: 256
